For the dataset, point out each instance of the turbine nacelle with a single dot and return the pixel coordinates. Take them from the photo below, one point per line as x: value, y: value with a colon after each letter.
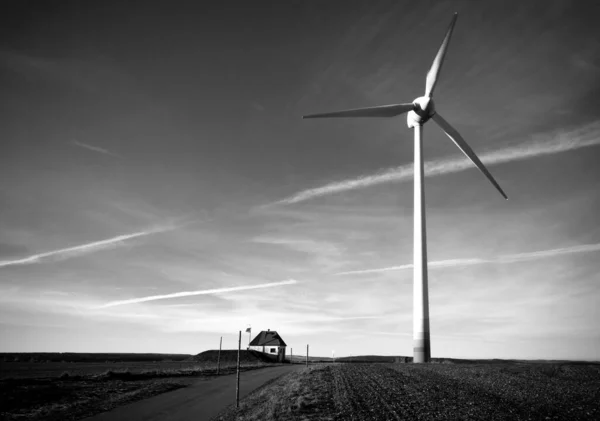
x: 423, y: 110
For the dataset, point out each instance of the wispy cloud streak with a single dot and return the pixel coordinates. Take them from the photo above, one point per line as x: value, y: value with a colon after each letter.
x: 91, y: 74
x: 563, y: 141
x: 507, y: 258
x: 309, y: 319
x: 68, y: 252
x: 95, y: 148
x: 192, y: 293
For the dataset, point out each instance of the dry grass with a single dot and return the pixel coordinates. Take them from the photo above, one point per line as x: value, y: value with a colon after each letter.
x: 428, y: 392
x: 303, y: 394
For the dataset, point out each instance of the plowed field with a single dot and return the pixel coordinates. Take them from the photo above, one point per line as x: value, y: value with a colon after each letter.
x: 428, y: 392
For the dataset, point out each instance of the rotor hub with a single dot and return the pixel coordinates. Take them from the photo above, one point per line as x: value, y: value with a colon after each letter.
x: 423, y: 110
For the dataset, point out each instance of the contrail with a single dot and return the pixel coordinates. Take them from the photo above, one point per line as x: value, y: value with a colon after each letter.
x: 507, y: 258
x: 95, y: 148
x: 549, y: 253
x: 386, y: 269
x: 390, y: 333
x: 191, y: 293
x: 560, y: 142
x: 84, y: 248
x: 439, y: 263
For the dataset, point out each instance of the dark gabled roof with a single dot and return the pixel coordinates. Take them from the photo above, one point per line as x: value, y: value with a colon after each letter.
x: 266, y: 338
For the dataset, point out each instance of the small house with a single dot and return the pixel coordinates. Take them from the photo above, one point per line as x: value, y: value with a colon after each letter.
x: 270, y: 343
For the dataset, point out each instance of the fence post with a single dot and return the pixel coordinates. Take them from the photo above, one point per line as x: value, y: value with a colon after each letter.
x: 237, y: 386
x: 291, y: 355
x: 307, y: 355
x: 219, y: 357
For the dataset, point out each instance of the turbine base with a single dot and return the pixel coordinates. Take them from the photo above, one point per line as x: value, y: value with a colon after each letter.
x: 422, y: 350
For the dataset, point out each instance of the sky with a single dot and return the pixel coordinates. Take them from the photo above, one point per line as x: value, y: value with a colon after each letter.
x: 160, y: 190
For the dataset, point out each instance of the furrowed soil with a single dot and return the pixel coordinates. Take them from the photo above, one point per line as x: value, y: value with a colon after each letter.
x: 427, y: 392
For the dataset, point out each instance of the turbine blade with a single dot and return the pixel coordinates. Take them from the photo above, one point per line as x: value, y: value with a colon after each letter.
x: 434, y: 72
x: 379, y: 111
x: 462, y: 145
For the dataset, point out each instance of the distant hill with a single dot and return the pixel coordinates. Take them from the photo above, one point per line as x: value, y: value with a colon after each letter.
x: 400, y: 358
x: 229, y: 356
x: 248, y: 356
x: 302, y: 358
x: 371, y: 359
x: 80, y: 357
x: 245, y: 356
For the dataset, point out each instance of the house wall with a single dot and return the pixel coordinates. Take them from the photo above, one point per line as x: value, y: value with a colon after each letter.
x: 267, y: 349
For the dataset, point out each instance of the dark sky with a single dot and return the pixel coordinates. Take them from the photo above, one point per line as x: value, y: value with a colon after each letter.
x: 141, y: 141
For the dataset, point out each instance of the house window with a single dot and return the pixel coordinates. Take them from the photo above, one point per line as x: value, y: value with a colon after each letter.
x: 273, y: 350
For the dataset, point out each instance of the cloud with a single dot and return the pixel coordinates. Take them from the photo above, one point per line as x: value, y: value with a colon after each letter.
x: 301, y: 244
x: 95, y: 148
x: 7, y: 249
x: 507, y: 258
x: 307, y: 319
x: 257, y: 106
x: 390, y: 333
x: 69, y: 252
x: 560, y: 141
x: 92, y: 73
x: 192, y: 293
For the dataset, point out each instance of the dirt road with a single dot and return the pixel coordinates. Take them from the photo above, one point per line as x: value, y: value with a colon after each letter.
x: 200, y: 401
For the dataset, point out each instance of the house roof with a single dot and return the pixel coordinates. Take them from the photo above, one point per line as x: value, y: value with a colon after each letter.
x: 265, y: 338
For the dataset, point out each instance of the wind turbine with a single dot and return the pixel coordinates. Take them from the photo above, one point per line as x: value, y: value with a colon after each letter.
x: 419, y: 112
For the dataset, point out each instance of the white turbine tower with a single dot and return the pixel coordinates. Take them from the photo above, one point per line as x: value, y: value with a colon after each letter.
x: 419, y: 112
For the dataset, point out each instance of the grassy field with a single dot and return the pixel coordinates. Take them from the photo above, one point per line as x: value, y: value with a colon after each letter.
x: 73, y: 391
x: 69, y: 400
x: 88, y: 357
x: 484, y: 391
x: 40, y: 365
x: 448, y: 389
x: 22, y: 370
